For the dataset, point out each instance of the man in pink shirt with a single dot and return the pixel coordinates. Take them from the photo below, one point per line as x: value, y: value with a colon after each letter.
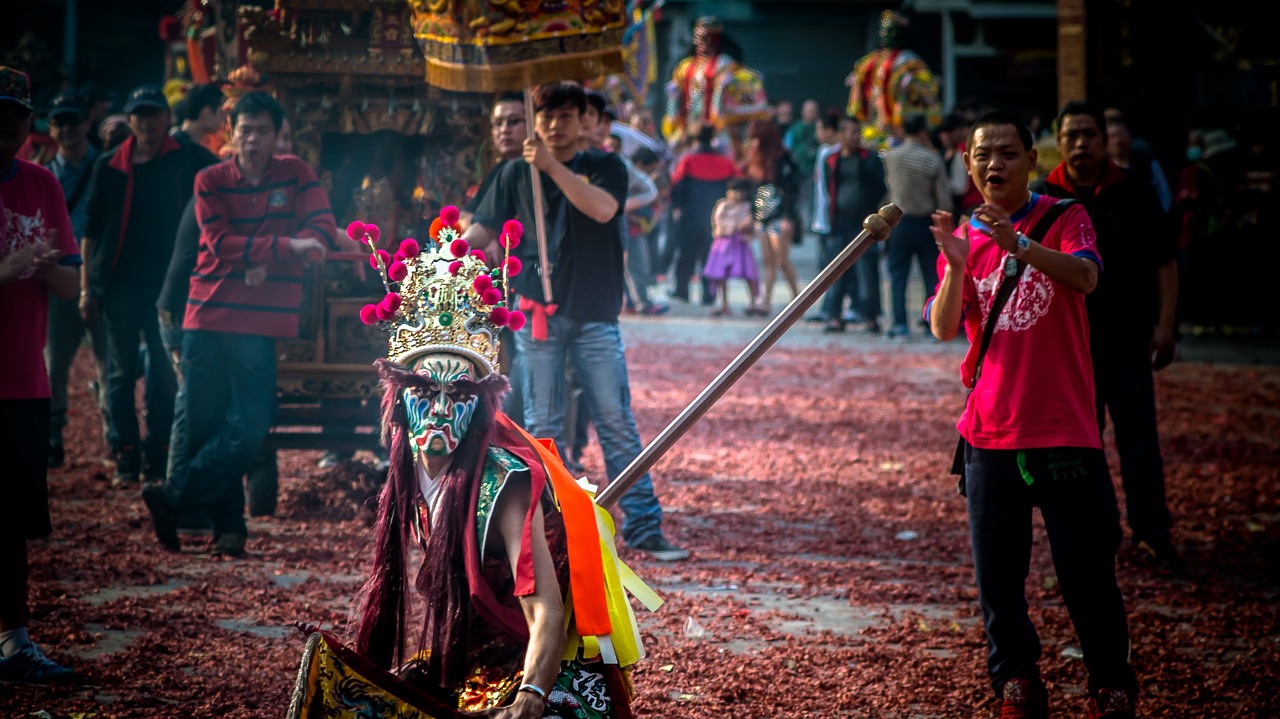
x: 1030, y: 425
x: 38, y: 255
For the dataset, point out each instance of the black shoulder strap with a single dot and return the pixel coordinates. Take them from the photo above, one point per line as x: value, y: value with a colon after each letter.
x: 1010, y: 281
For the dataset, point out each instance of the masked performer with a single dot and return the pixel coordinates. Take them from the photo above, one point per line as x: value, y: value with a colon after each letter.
x: 891, y: 83
x: 525, y: 611
x: 709, y: 87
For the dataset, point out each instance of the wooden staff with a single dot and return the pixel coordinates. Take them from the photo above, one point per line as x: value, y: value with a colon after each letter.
x: 539, y: 220
x: 876, y: 228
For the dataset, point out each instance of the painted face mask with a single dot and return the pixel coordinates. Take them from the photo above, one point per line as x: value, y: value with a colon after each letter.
x: 440, y: 411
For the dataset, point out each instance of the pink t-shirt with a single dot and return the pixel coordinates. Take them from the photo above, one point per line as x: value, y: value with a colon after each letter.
x: 31, y: 204
x: 1036, y: 388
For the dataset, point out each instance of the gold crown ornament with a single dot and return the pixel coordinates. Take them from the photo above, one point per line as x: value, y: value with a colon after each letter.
x: 441, y: 295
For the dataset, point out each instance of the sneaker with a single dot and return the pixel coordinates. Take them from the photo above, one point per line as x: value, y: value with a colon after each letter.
x: 654, y: 310
x: 230, y: 544
x: 662, y: 550
x: 29, y: 665
x: 128, y: 466
x: 57, y: 454
x: 1024, y: 699
x: 1113, y: 704
x: 164, y: 520
x: 818, y: 318
x: 872, y: 328
x: 897, y: 332
x: 834, y: 326
x: 332, y: 458
x: 852, y: 317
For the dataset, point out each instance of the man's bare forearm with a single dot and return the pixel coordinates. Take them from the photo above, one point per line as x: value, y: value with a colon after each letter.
x: 1076, y: 273
x: 590, y: 200
x: 948, y: 305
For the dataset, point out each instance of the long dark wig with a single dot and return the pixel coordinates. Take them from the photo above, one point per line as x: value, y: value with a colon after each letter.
x: 442, y: 580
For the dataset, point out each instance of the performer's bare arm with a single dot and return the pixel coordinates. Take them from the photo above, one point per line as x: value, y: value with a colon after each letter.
x: 543, y: 610
x: 484, y: 238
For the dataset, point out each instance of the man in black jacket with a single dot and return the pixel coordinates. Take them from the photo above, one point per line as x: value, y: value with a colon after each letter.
x: 135, y: 201
x: 1131, y: 313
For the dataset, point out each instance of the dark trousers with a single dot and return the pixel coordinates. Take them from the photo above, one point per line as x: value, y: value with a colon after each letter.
x: 66, y: 332
x: 911, y: 239
x: 1077, y: 503
x: 1126, y: 390
x: 24, y: 489
x: 131, y: 321
x: 693, y: 250
x: 845, y: 286
x: 230, y: 403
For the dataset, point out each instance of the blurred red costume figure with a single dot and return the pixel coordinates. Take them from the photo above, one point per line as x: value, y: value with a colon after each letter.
x: 513, y: 550
x: 711, y: 88
x: 890, y: 83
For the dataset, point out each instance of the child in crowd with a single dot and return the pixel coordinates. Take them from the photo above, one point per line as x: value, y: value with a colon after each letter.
x: 730, y: 256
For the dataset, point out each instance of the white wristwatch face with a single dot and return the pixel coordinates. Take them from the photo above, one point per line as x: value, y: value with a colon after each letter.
x: 1023, y: 241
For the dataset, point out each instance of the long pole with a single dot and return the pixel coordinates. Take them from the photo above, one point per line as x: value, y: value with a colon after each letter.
x: 876, y: 228
x: 539, y: 218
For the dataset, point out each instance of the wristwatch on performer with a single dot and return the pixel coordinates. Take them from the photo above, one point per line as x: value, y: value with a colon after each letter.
x: 1024, y: 243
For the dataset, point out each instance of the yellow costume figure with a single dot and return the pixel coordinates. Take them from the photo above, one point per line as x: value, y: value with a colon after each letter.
x: 711, y: 88
x: 891, y: 83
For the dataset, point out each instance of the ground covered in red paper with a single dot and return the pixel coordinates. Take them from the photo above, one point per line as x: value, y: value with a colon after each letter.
x: 831, y: 575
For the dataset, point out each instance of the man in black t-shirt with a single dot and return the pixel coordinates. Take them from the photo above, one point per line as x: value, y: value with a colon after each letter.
x: 136, y: 198
x: 1131, y: 313
x: 584, y: 196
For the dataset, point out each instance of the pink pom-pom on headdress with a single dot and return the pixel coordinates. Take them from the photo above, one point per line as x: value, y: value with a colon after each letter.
x: 513, y: 228
x: 482, y: 283
x: 372, y: 231
x: 397, y: 271
x: 449, y: 214
x: 379, y: 255
x: 397, y: 257
x: 478, y: 254
x: 514, y: 266
x: 459, y: 248
x: 454, y: 267
x: 383, y: 312
x: 516, y: 321
x: 499, y: 316
x: 409, y: 247
x: 369, y: 314
x: 355, y: 231
x: 491, y: 296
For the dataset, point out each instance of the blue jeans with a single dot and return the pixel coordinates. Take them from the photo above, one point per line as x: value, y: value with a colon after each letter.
x: 911, y: 239
x: 130, y: 319
x: 230, y: 403
x: 172, y: 337
x: 600, y: 367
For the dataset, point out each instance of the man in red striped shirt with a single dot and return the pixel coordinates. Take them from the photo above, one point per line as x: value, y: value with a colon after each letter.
x: 261, y: 218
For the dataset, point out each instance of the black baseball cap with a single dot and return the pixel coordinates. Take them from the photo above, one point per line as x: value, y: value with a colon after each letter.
x: 67, y: 103
x: 144, y: 97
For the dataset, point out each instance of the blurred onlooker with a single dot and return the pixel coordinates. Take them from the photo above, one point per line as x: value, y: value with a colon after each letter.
x: 37, y: 256
x: 651, y: 224
x: 769, y: 165
x: 244, y: 295
x: 1208, y: 206
x: 828, y: 135
x: 1134, y: 157
x: 783, y: 116
x: 697, y: 184
x: 113, y: 131
x: 801, y: 140
x: 919, y: 186
x: 731, y: 256
x: 73, y: 166
x: 98, y: 101
x: 1131, y: 313
x: 136, y: 199
x: 202, y: 115
x: 852, y: 180
x: 952, y: 134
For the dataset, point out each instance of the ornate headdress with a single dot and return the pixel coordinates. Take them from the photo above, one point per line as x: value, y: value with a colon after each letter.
x: 442, y: 297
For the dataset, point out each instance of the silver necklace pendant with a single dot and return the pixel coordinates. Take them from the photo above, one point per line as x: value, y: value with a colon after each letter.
x: 1010, y: 266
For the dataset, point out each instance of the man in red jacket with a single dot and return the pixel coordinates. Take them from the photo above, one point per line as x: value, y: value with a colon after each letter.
x: 261, y: 218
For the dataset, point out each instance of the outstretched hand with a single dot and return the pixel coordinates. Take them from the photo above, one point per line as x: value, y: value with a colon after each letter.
x: 16, y: 263
x: 954, y: 249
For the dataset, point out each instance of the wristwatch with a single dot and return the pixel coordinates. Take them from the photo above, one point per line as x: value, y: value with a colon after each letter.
x: 1024, y: 243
